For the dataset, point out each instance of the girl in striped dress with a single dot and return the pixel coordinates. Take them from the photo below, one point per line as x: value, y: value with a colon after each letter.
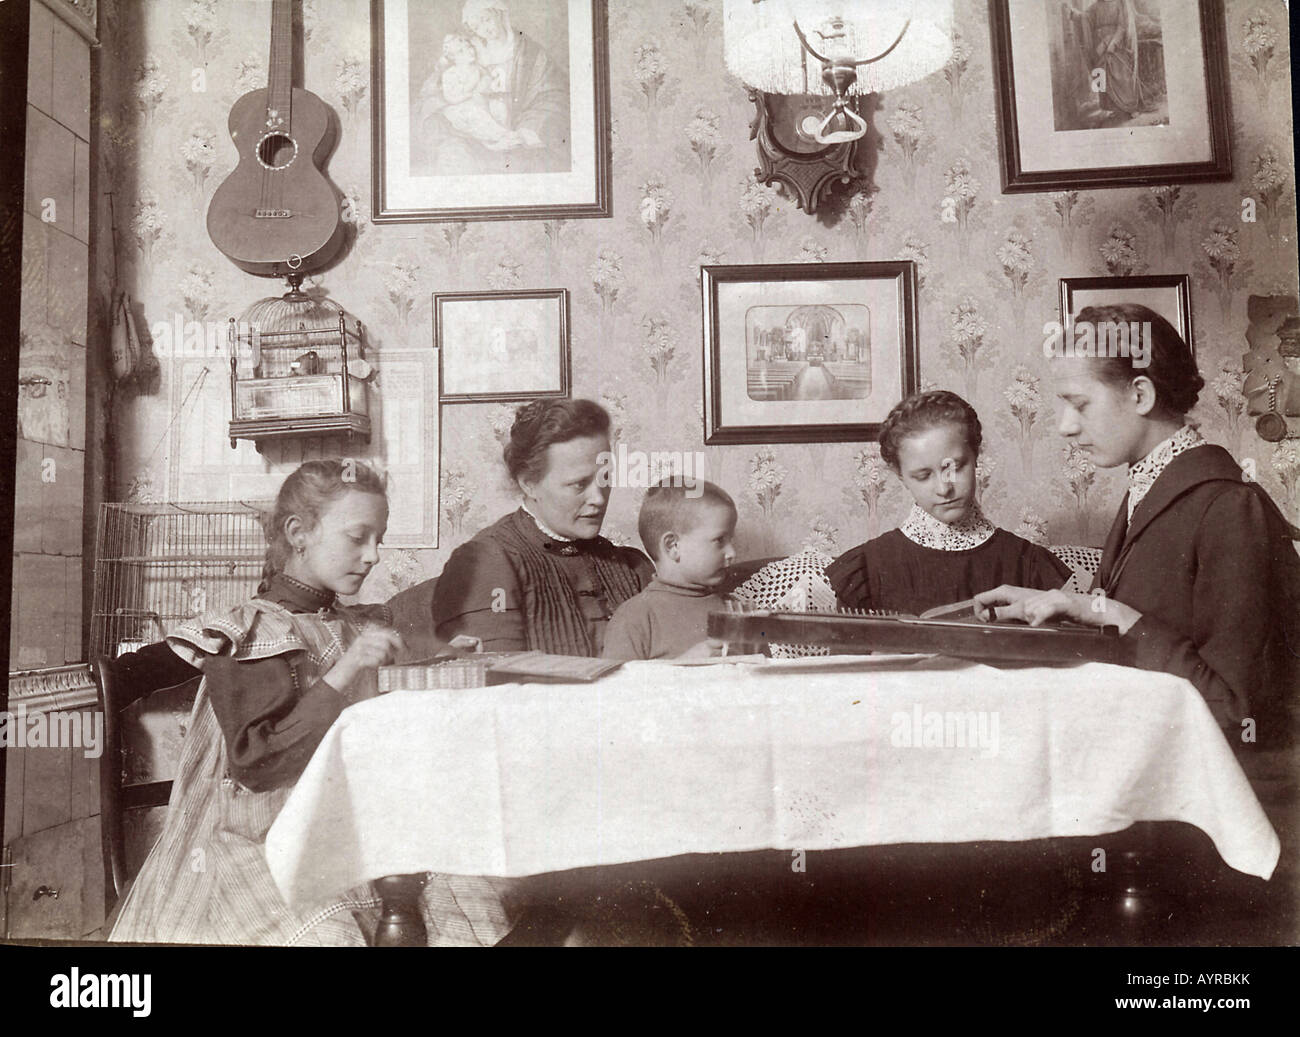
x: 277, y: 671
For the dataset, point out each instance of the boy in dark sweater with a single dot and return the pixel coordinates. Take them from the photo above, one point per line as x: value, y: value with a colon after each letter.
x: 687, y: 530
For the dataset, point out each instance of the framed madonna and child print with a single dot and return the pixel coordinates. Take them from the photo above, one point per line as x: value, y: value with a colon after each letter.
x: 1110, y: 93
x: 806, y: 352
x: 489, y: 110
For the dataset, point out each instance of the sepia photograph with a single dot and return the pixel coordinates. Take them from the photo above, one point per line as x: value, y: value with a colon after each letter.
x: 1108, y: 65
x: 496, y: 100
x: 673, y: 474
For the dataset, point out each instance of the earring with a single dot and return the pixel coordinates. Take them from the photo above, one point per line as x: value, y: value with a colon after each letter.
x: 301, y: 550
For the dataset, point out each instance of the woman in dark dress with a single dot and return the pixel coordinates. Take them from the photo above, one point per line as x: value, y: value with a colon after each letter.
x: 1198, y: 572
x: 946, y: 550
x: 543, y: 578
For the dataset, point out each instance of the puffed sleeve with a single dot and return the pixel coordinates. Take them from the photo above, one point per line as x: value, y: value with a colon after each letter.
x: 152, y: 668
x: 1044, y: 571
x: 271, y: 729
x: 848, y: 578
x: 478, y: 595
x: 1237, y: 589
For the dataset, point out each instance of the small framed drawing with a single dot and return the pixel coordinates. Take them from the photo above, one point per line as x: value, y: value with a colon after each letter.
x: 806, y: 352
x: 489, y: 110
x: 1168, y: 294
x: 1110, y: 93
x: 502, y: 345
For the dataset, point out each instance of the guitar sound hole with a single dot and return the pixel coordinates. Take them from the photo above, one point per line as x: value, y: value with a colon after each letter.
x: 276, y: 150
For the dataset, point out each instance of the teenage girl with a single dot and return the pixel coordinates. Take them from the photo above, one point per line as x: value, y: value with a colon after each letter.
x: 1198, y: 572
x: 946, y: 551
x: 277, y: 671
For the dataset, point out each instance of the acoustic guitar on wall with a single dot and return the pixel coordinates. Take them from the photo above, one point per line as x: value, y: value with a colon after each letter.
x: 276, y: 214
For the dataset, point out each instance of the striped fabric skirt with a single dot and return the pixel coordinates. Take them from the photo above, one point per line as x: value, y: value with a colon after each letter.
x: 206, y: 879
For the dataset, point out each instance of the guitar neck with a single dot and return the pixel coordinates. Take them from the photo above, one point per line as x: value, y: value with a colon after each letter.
x: 279, y: 85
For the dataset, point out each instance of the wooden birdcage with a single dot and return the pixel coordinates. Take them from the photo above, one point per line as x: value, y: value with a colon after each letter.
x: 297, y: 368
x: 157, y: 565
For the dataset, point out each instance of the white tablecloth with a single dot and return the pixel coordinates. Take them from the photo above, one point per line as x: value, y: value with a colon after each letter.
x: 655, y: 761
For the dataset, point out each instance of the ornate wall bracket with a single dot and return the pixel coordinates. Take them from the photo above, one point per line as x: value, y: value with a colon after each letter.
x: 787, y: 151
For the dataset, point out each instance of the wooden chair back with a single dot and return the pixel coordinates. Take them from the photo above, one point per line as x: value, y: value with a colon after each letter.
x: 128, y: 785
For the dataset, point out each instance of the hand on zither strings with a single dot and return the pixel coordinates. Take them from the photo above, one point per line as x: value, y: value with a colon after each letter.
x: 1037, y: 607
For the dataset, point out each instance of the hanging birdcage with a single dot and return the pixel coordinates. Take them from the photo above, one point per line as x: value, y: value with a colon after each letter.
x: 297, y: 368
x: 158, y: 565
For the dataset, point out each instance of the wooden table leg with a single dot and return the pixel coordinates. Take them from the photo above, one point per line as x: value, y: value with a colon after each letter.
x: 1145, y: 886
x: 400, y: 922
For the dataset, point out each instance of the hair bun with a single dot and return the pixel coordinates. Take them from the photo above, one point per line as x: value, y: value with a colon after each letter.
x: 526, y: 420
x: 541, y: 423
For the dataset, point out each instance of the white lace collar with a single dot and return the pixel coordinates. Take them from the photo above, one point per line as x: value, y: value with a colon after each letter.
x: 923, y: 528
x: 1143, y: 474
x: 547, y: 529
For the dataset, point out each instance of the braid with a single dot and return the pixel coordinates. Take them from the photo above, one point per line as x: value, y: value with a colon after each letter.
x: 926, y: 410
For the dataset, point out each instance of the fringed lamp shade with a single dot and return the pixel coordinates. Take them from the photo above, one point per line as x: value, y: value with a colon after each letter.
x: 763, y: 50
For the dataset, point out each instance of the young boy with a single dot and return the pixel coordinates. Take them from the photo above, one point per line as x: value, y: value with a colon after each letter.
x: 687, y: 530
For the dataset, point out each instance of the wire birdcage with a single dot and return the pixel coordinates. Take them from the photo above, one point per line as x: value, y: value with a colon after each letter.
x: 158, y: 565
x: 297, y: 368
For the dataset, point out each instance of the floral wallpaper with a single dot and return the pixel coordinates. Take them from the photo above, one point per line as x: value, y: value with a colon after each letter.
x: 684, y: 195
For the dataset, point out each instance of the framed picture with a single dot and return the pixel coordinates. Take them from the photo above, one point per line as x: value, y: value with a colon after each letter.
x: 806, y: 352
x: 1168, y: 294
x: 1110, y: 93
x: 502, y: 345
x: 489, y: 111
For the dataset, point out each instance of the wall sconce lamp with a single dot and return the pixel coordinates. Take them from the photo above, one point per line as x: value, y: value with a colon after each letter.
x: 796, y: 55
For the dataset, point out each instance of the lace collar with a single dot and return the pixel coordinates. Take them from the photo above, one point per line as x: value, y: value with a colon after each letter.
x: 547, y: 529
x: 923, y: 528
x: 1143, y: 474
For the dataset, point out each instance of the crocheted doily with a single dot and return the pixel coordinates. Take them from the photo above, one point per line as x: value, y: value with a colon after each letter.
x: 797, y: 583
x: 1084, y: 561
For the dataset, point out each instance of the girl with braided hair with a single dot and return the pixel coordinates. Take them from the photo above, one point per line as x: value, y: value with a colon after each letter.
x: 946, y: 550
